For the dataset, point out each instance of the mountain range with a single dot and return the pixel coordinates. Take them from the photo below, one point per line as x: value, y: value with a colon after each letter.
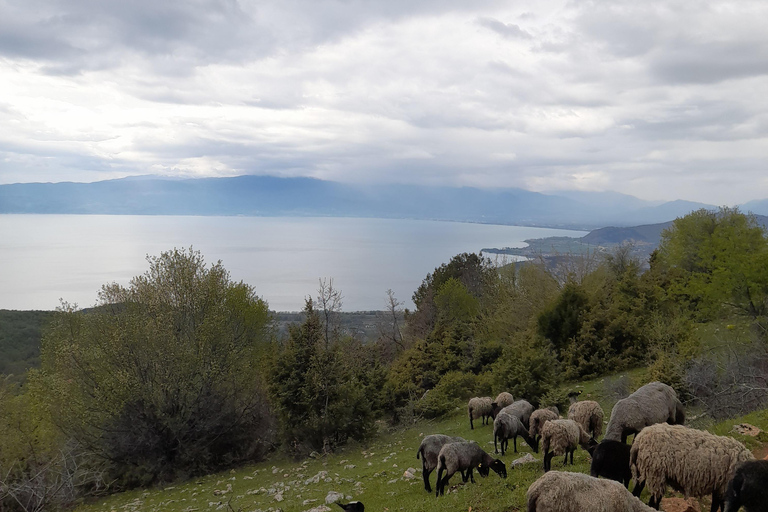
x: 273, y: 196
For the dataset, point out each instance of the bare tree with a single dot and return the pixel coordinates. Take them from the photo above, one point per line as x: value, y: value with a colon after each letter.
x: 329, y: 302
x: 390, y: 335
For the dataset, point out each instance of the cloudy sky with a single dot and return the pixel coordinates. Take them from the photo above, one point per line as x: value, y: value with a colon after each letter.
x: 658, y: 99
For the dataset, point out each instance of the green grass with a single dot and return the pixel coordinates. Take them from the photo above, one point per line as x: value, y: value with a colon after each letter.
x: 377, y: 476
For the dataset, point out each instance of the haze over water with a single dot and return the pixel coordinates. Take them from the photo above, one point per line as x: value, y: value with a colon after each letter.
x: 48, y: 257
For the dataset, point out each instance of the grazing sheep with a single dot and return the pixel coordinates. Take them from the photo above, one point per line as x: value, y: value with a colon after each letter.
x: 465, y: 457
x: 428, y: 451
x: 653, y: 403
x: 536, y: 422
x: 748, y: 488
x: 562, y: 437
x: 504, y: 399
x: 557, y: 491
x: 506, y: 426
x: 479, y: 407
x: 522, y: 409
x: 589, y: 415
x: 694, y: 462
x: 610, y: 459
x: 353, y: 506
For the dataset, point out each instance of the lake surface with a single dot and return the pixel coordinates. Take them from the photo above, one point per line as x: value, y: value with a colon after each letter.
x: 47, y: 257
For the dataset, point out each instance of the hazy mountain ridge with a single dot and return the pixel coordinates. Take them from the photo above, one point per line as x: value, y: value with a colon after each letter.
x: 271, y: 196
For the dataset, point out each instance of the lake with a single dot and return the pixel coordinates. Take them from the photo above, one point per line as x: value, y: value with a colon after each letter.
x: 48, y: 257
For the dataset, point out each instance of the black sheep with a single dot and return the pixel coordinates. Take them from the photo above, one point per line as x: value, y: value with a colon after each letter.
x: 748, y: 488
x: 610, y: 459
x: 352, y: 506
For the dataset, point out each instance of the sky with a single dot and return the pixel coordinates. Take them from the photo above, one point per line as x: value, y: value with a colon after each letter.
x: 662, y: 100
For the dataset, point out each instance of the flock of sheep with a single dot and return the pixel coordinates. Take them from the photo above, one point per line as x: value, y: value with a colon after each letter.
x: 663, y: 453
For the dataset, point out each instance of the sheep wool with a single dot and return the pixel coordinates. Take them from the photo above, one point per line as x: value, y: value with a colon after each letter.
x: 749, y: 487
x: 479, y: 407
x: 589, y: 415
x: 694, y: 462
x: 465, y: 457
x: 428, y: 451
x: 522, y: 409
x: 562, y: 437
x: 653, y: 403
x: 576, y: 492
x: 504, y: 399
x: 506, y: 427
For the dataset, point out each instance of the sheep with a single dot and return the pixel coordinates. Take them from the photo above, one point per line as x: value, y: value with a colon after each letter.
x: 748, y: 488
x: 558, y: 491
x: 589, y: 415
x: 428, y: 451
x: 506, y: 426
x: 692, y: 461
x: 537, y: 420
x: 353, y: 506
x: 520, y: 408
x: 562, y: 437
x: 653, y: 403
x: 610, y: 459
x: 479, y: 407
x: 504, y: 399
x: 465, y: 457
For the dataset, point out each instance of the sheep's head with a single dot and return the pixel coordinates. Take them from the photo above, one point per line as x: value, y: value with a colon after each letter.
x: 499, y: 468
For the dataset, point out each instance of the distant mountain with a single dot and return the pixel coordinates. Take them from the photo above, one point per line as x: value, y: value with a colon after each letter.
x: 271, y: 196
x: 756, y: 207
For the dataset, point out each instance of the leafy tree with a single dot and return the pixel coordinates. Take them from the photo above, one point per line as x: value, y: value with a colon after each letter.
x: 562, y: 321
x: 163, y: 378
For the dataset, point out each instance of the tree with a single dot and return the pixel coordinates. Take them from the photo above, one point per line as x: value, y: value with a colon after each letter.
x: 164, y: 377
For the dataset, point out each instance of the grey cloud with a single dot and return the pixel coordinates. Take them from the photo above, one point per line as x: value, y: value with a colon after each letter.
x: 508, y: 30
x: 708, y: 62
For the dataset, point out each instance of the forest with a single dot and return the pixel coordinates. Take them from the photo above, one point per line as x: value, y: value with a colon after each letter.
x: 184, y: 372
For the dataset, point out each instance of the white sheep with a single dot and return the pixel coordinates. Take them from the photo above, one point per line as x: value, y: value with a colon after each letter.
x: 506, y: 426
x: 502, y: 400
x: 557, y: 491
x: 653, y: 403
x: 563, y: 437
x: 428, y: 451
x: 537, y: 420
x: 479, y: 407
x: 589, y: 415
x: 462, y: 457
x: 694, y: 462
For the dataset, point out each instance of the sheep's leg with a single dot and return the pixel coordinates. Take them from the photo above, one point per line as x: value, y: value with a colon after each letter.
x: 425, y: 473
x: 565, y: 460
x: 495, y: 448
x: 572, y: 452
x: 639, y: 486
x: 471, y: 425
x: 548, y: 460
x: 717, y: 502
x: 471, y: 476
x: 514, y: 442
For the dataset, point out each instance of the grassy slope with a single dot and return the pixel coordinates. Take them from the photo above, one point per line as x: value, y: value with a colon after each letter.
x: 377, y: 476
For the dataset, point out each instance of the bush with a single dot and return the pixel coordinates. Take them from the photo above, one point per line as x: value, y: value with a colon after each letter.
x: 454, y: 390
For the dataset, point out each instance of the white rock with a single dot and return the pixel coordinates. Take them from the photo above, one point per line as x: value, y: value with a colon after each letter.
x: 279, y: 496
x: 333, y: 497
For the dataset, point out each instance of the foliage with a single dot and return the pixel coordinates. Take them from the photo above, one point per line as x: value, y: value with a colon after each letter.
x: 528, y: 368
x: 164, y: 378
x: 20, y: 333
x: 454, y: 390
x: 321, y: 398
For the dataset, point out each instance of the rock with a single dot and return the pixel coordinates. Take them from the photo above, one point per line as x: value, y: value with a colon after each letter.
x: 321, y: 475
x: 314, y: 455
x: 307, y: 502
x: 680, y: 505
x: 528, y: 458
x: 747, y: 429
x: 279, y: 496
x: 350, y: 466
x: 408, y: 475
x: 392, y: 481
x: 333, y: 497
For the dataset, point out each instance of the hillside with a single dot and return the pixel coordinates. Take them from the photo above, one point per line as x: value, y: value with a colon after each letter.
x: 271, y: 196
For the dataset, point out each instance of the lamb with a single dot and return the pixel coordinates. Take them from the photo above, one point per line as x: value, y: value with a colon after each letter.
x: 504, y: 399
x: 506, y: 426
x: 563, y: 437
x: 479, y: 407
x: 522, y: 409
x: 588, y: 414
x: 653, y: 403
x: 428, y: 451
x: 537, y: 420
x: 610, y: 459
x: 694, y: 462
x: 557, y: 491
x: 465, y: 457
x: 748, y: 488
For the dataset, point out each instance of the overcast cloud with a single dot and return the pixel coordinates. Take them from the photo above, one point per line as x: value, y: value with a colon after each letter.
x: 658, y: 99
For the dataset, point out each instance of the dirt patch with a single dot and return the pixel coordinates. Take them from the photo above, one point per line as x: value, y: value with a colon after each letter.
x: 680, y: 505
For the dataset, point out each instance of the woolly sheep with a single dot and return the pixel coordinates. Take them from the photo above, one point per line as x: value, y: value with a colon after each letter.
x: 353, y: 506
x: 537, y: 420
x: 465, y: 457
x: 506, y: 426
x: 694, y: 462
x: 557, y: 491
x: 428, y: 451
x: 479, y: 407
x: 504, y: 399
x: 653, y: 403
x: 562, y: 437
x: 589, y: 415
x: 610, y: 459
x: 748, y: 488
x: 520, y: 408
